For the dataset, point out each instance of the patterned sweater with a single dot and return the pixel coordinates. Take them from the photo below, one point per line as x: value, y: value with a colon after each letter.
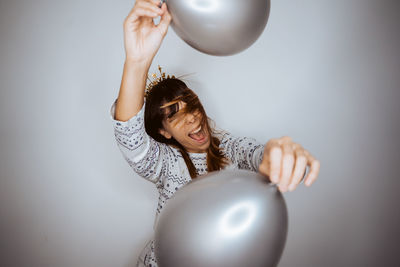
x: 164, y: 165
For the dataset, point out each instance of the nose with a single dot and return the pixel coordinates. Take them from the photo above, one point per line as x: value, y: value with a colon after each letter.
x: 190, y: 118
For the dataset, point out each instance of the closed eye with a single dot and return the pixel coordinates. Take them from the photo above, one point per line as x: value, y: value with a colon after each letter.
x: 172, y: 111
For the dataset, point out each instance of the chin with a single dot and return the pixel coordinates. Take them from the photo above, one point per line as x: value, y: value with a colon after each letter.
x: 201, y: 148
x: 206, y: 146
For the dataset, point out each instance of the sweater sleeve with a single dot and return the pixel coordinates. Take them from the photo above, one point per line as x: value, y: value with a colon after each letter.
x: 146, y: 156
x: 245, y: 153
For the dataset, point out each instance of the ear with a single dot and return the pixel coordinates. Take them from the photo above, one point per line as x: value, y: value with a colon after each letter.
x: 165, y: 133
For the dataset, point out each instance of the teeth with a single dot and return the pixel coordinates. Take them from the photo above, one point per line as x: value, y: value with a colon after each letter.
x: 196, y: 131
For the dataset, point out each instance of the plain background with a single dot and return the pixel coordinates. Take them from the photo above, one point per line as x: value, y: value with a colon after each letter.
x: 326, y: 73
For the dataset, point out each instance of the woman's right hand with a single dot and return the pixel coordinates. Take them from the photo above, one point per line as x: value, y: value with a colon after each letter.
x: 142, y: 37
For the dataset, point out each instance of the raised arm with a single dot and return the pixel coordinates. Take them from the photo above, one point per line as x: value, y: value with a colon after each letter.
x: 142, y: 39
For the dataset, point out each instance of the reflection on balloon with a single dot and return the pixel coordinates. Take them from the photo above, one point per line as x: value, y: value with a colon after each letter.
x: 219, y: 27
x: 228, y: 225
x: 204, y: 5
x: 227, y: 218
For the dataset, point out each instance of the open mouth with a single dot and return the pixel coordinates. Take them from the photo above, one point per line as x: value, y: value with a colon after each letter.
x: 198, y: 134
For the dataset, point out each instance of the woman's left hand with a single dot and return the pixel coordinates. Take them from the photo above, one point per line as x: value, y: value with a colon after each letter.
x: 285, y: 163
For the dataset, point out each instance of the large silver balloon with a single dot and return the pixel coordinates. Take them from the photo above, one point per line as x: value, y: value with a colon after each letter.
x: 219, y: 27
x: 228, y: 218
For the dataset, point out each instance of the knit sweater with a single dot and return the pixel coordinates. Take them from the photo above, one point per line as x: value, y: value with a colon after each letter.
x: 164, y: 165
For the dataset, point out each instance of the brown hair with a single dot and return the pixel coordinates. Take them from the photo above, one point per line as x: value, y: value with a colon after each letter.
x: 167, y: 93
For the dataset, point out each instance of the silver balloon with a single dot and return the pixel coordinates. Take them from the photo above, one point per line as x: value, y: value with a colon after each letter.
x: 228, y: 218
x: 219, y: 27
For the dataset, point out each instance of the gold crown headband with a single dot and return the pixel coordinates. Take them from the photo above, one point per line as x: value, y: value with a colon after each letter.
x: 154, y: 80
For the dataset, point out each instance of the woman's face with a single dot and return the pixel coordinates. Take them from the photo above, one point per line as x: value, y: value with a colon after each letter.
x: 187, y: 130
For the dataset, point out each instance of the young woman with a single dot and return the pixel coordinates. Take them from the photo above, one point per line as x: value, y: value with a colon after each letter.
x: 165, y: 135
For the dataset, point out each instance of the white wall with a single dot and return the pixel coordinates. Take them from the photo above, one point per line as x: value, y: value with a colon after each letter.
x: 324, y: 72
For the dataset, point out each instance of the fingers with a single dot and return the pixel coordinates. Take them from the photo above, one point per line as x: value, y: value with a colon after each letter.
x: 145, y: 8
x: 143, y: 13
x: 165, y: 19
x: 314, y: 170
x: 151, y: 6
x: 287, y: 166
x: 275, y: 159
x: 285, y: 162
x: 299, y: 169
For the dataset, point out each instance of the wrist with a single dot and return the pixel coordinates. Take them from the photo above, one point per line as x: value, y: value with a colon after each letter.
x: 141, y: 63
x: 137, y: 66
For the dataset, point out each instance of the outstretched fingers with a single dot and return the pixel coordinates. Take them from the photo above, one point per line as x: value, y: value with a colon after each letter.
x: 288, y: 161
x: 299, y: 168
x: 285, y: 162
x: 314, y: 169
x: 271, y: 162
